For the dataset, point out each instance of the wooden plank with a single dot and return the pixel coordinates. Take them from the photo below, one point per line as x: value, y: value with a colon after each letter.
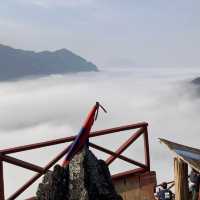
x: 181, y: 179
x: 199, y: 193
x: 146, y: 148
x: 138, y: 186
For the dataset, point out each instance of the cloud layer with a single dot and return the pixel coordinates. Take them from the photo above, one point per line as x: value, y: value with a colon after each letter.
x: 52, y: 107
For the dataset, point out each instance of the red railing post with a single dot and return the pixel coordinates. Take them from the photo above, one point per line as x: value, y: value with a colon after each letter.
x: 125, y: 145
x: 146, y: 148
x: 142, y: 129
x: 1, y: 181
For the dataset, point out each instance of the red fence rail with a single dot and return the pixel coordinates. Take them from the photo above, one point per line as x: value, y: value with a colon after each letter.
x: 142, y: 167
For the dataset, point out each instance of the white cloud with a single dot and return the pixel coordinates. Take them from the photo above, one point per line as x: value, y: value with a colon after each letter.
x: 53, y: 107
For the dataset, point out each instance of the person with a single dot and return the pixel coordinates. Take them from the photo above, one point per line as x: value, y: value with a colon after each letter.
x: 195, y: 180
x: 164, y: 193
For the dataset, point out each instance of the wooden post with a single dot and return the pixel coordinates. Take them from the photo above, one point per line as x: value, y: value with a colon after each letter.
x: 181, y: 179
x: 1, y: 181
x: 146, y: 148
x: 199, y: 193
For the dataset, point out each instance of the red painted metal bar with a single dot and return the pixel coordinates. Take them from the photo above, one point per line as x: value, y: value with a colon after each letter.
x: 35, y: 177
x: 71, y: 138
x: 37, y: 145
x: 124, y: 146
x: 146, y: 148
x: 22, y: 164
x: 128, y: 173
x: 118, y: 129
x: 1, y: 181
x: 118, y: 156
x: 68, y: 139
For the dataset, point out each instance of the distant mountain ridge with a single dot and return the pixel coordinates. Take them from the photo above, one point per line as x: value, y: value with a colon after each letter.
x: 196, y: 81
x: 17, y: 63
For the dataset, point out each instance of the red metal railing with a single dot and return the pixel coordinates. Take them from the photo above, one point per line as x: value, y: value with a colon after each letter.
x: 142, y: 167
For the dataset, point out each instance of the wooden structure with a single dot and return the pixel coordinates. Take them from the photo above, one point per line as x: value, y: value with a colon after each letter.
x: 136, y: 186
x: 142, y: 169
x: 185, y: 156
x: 181, y: 179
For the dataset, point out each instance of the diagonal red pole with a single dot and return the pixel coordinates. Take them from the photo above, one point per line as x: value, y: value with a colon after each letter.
x: 35, y: 177
x: 124, y: 146
x: 118, y: 156
x: 22, y: 164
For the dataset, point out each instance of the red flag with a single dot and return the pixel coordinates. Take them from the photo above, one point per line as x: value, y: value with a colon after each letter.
x: 83, y: 135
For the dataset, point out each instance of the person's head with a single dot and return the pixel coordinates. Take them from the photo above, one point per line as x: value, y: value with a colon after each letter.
x: 164, y: 185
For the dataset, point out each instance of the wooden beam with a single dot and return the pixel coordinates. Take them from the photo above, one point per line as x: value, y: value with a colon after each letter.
x: 146, y: 148
x: 181, y: 179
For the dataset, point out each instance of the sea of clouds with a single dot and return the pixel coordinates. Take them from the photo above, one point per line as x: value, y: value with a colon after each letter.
x: 40, y: 109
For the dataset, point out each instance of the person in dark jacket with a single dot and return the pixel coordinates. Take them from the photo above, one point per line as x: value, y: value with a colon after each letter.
x: 195, y: 180
x: 164, y: 193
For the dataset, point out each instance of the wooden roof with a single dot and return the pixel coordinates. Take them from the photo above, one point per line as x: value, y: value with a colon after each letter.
x: 188, y: 154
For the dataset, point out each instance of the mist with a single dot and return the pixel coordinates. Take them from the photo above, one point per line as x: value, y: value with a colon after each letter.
x: 40, y: 109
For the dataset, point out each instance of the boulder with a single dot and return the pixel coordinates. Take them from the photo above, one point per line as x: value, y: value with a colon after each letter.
x: 86, y: 178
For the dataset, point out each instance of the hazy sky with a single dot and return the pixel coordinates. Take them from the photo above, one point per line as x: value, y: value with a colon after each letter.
x: 111, y: 33
x: 107, y: 32
x: 56, y: 106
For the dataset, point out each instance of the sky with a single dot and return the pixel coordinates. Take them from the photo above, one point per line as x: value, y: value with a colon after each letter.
x: 107, y: 32
x: 120, y: 37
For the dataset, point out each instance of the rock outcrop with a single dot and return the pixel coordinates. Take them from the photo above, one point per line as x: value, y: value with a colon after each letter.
x: 86, y: 178
x: 98, y: 180
x: 77, y: 177
x: 54, y: 185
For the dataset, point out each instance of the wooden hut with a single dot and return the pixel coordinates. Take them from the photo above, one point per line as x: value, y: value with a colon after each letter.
x: 184, y: 156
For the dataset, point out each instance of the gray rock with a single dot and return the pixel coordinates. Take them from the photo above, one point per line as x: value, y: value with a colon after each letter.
x: 86, y: 178
x: 99, y: 182
x: 77, y: 189
x: 54, y: 185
